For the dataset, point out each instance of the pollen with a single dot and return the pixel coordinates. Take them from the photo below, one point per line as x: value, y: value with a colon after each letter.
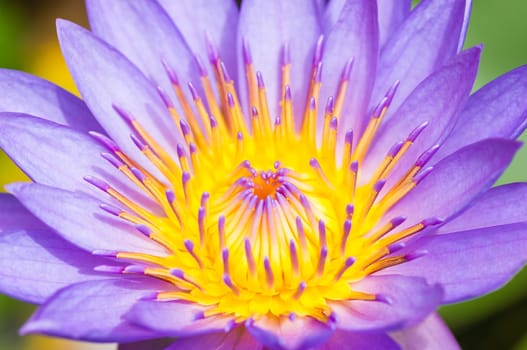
x: 262, y: 215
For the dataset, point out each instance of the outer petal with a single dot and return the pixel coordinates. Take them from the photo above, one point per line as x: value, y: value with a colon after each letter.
x: 34, y: 261
x: 332, y: 13
x: 391, y: 15
x: 436, y: 101
x: 498, y: 206
x: 14, y: 216
x: 25, y: 93
x: 237, y: 339
x: 154, y: 344
x: 455, y: 181
x: 145, y: 34
x: 176, y: 318
x: 464, y: 26
x: 342, y: 340
x: 457, y: 260
x: 93, y: 311
x: 402, y: 301
x: 34, y: 264
x: 499, y: 109
x: 268, y: 25
x: 217, y: 19
x: 113, y: 80
x: 427, y: 39
x: 431, y: 334
x: 286, y: 334
x: 78, y: 218
x: 58, y: 156
x: 355, y: 35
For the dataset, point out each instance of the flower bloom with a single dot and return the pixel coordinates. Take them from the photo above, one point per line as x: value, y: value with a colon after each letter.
x: 290, y: 175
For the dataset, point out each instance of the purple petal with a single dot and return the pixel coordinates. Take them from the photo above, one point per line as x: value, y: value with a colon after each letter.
x: 175, y: 318
x: 286, y: 334
x: 456, y: 181
x: 57, y: 156
x: 14, y: 216
x: 235, y: 339
x: 79, y: 219
x: 431, y: 334
x: 93, y: 311
x: 331, y: 14
x: 50, y: 153
x: 154, y: 344
x: 425, y: 40
x: 355, y: 35
x: 25, y: 93
x: 464, y: 26
x: 34, y: 261
x: 268, y: 25
x: 114, y: 81
x: 34, y: 264
x: 343, y: 340
x: 436, y: 101
x: 217, y: 19
x: 403, y: 301
x: 498, y: 206
x: 456, y: 260
x: 391, y: 16
x: 145, y: 34
x: 499, y: 109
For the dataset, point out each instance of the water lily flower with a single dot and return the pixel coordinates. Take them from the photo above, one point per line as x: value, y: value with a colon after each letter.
x: 287, y: 175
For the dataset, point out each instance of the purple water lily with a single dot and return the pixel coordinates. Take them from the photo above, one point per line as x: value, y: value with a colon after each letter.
x: 288, y: 175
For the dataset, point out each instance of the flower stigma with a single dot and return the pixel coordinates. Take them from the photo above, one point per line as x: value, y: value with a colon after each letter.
x: 260, y: 214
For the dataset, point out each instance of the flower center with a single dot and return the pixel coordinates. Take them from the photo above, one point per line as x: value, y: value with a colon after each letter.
x: 264, y: 184
x: 258, y: 217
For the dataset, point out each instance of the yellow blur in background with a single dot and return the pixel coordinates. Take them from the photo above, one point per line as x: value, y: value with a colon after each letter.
x: 28, y: 42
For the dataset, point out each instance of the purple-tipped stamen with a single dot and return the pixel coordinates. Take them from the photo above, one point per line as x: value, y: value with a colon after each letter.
x: 172, y: 76
x: 193, y: 92
x: 249, y: 256
x: 330, y: 105
x: 383, y: 299
x: 300, y: 290
x: 100, y: 184
x: 391, y: 92
x: 322, y: 260
x: 268, y: 272
x: 111, y: 209
x: 115, y: 162
x: 109, y: 269
x: 105, y: 253
x: 246, y: 51
x: 345, y: 234
x: 201, y: 67
x: 143, y: 229
x: 423, y: 174
x: 260, y: 80
x: 225, y: 73
x: 322, y: 233
x: 346, y: 72
x: 135, y: 269
x: 416, y: 132
x: 319, y: 51
x: 164, y: 96
x: 127, y: 116
x: 294, y: 256
x: 395, y: 149
x: 426, y: 156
